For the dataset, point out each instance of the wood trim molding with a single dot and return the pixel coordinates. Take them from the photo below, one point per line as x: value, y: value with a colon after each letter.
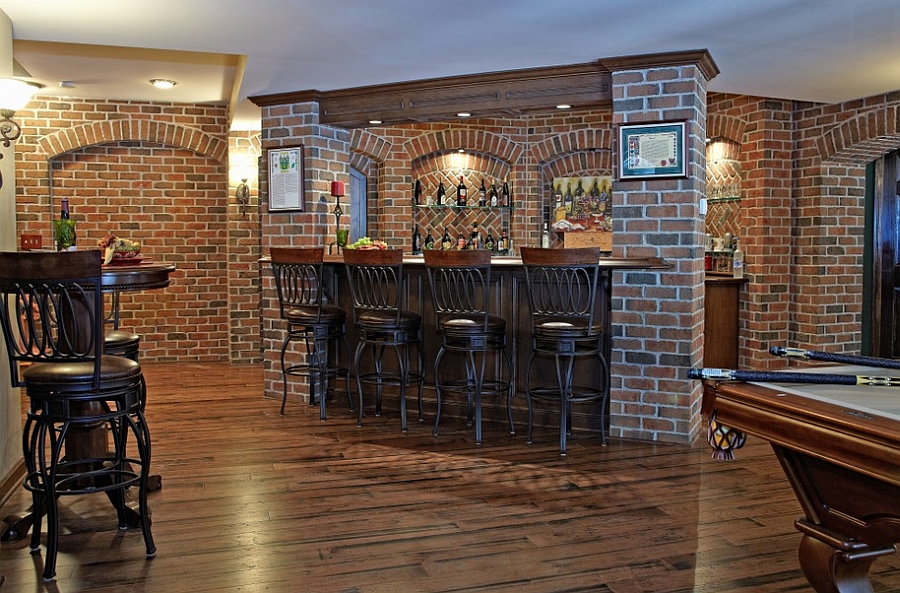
x: 12, y: 481
x: 495, y: 94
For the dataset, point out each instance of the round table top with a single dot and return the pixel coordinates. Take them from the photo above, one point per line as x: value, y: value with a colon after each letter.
x: 140, y: 276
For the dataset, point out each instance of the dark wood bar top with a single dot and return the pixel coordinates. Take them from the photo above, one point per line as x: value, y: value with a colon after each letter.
x: 612, y: 263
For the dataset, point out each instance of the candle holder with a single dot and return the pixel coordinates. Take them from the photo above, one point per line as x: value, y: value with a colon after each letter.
x: 340, y: 235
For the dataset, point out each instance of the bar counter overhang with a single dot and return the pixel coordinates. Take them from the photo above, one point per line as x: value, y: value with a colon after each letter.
x: 509, y: 301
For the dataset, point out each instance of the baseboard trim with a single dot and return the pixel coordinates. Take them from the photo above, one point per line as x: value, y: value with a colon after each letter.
x: 12, y: 481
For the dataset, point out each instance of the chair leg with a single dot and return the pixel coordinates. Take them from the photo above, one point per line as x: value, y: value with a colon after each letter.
x: 284, y: 383
x: 347, y: 359
x: 359, y: 350
x: 510, y: 391
x: 564, y: 365
x: 479, y: 383
x: 321, y: 359
x: 529, y: 439
x: 142, y: 436
x: 48, y: 475
x: 437, y: 389
x: 403, y: 362
x: 420, y: 371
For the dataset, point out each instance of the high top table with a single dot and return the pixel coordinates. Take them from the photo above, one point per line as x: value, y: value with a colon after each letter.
x: 144, y: 275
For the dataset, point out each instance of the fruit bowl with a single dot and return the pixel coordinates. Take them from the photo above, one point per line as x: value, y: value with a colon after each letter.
x: 119, y: 250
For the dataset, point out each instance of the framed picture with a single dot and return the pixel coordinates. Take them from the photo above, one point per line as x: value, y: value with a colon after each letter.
x: 651, y: 151
x: 286, y: 178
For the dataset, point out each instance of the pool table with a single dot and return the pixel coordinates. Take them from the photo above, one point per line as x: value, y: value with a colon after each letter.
x: 840, y: 449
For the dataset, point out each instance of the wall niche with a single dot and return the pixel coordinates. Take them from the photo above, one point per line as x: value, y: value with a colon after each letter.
x: 723, y: 188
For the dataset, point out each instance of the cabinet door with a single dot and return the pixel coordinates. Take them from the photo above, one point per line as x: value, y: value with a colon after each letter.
x: 721, y: 327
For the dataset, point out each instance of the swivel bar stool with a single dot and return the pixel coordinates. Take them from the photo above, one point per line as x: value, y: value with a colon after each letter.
x: 376, y: 283
x: 460, y: 283
x: 83, y: 403
x: 301, y: 300
x: 118, y: 342
x: 562, y: 291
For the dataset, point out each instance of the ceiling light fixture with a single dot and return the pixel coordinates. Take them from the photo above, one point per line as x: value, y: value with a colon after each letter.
x: 374, y: 122
x: 162, y: 83
x: 464, y: 114
x: 564, y: 106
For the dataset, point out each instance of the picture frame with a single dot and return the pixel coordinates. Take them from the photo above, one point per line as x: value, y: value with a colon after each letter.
x: 652, y: 151
x: 286, y: 179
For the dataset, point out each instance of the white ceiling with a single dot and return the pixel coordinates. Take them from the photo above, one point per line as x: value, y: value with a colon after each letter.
x: 810, y: 50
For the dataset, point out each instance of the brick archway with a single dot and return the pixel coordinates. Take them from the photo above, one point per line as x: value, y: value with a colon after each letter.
x: 125, y: 130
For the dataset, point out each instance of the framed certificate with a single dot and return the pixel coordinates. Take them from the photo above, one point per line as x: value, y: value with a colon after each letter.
x: 286, y: 178
x: 650, y: 151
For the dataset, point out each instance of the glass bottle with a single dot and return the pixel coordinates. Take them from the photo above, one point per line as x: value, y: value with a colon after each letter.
x: 64, y: 229
x: 482, y: 195
x: 441, y: 194
x: 446, y: 241
x: 416, y: 241
x: 429, y: 240
x: 462, y: 194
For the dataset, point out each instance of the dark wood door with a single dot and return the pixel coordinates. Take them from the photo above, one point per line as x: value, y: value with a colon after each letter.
x: 886, y: 260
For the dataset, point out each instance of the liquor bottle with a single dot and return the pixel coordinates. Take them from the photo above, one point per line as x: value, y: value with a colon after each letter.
x: 482, y: 195
x: 441, y: 194
x: 737, y: 264
x: 64, y: 229
x: 493, y: 195
x: 503, y: 243
x: 460, y: 242
x: 507, y: 200
x: 474, y: 238
x: 416, y: 241
x: 462, y: 194
x: 446, y: 241
x: 429, y: 240
x: 417, y: 193
x: 489, y: 243
x: 545, y: 236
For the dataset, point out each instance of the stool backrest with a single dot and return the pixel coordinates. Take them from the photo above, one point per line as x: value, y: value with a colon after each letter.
x: 562, y: 283
x: 52, y: 308
x: 376, y: 279
x: 460, y: 282
x: 298, y: 277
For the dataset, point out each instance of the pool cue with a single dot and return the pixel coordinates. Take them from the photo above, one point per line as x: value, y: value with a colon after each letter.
x: 771, y: 377
x: 869, y: 361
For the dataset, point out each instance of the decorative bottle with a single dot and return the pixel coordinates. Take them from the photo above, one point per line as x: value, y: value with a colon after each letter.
x: 489, y: 243
x: 482, y: 195
x: 737, y: 263
x: 507, y: 200
x: 417, y: 193
x: 493, y: 195
x: 441, y: 194
x: 429, y: 240
x: 64, y: 229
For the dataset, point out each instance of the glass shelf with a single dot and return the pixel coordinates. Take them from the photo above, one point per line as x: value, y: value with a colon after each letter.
x: 455, y: 207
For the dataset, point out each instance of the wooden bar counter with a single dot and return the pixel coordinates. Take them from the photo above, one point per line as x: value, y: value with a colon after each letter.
x: 510, y: 301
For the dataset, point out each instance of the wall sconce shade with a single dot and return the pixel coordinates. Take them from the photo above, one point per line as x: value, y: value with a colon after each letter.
x: 14, y: 95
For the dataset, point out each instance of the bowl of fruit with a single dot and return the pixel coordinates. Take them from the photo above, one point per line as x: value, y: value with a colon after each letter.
x: 367, y: 243
x: 120, y: 251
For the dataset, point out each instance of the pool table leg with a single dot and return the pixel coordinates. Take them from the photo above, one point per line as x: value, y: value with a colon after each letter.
x: 833, y: 565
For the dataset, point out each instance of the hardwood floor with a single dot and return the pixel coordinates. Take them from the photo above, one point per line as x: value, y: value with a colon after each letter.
x: 252, y: 501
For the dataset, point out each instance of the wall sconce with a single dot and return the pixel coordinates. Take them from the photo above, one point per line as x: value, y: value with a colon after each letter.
x: 14, y: 94
x: 340, y: 235
x: 242, y: 193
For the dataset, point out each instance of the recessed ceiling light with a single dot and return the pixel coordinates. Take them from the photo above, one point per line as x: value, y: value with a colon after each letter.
x: 375, y: 122
x: 461, y: 150
x: 464, y: 114
x: 564, y: 106
x: 67, y: 84
x: 162, y: 83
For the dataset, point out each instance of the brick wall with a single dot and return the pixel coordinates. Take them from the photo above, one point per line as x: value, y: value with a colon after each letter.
x: 803, y: 204
x: 152, y: 172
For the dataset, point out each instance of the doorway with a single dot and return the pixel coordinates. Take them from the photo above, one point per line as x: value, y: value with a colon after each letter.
x: 884, y: 338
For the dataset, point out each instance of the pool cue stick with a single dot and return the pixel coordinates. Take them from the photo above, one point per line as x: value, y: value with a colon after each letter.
x: 771, y: 377
x: 869, y: 361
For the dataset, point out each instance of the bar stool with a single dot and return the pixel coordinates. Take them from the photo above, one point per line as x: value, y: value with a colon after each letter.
x: 117, y: 342
x: 460, y: 284
x: 51, y: 316
x: 376, y: 284
x: 301, y: 300
x: 562, y: 291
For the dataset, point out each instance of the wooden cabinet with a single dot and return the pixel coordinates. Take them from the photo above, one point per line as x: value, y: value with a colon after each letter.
x: 723, y: 301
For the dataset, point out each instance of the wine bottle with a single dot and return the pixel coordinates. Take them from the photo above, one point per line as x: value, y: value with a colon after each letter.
x: 462, y: 194
x: 416, y: 241
x: 507, y: 200
x: 493, y: 195
x: 64, y: 229
x: 482, y: 195
x: 503, y: 243
x: 446, y: 241
x: 429, y: 240
x: 474, y: 238
x: 489, y: 243
x: 545, y: 236
x: 417, y: 193
x: 441, y: 194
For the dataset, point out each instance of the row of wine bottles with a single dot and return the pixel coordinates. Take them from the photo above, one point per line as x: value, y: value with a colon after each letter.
x: 486, y: 197
x: 502, y: 245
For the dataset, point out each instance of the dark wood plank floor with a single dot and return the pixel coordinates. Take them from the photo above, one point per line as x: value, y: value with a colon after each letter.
x: 254, y: 502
